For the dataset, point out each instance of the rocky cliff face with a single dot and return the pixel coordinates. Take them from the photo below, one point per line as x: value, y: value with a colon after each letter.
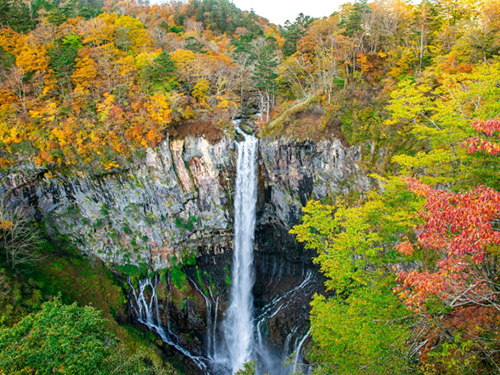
x: 291, y: 174
x: 294, y: 172
x: 178, y: 201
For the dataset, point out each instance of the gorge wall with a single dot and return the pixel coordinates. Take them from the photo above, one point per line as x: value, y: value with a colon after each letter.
x: 177, y: 203
x: 179, y: 198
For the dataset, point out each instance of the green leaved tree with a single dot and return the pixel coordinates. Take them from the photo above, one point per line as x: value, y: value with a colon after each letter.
x: 159, y: 74
x: 360, y: 327
x: 265, y: 75
x: 66, y: 339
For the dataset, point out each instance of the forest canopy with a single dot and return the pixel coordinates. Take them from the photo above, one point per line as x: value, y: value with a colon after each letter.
x: 412, y: 266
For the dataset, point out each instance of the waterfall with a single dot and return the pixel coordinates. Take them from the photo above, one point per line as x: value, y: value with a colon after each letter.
x: 287, y: 348
x: 270, y: 360
x: 297, y: 360
x: 276, y: 304
x: 211, y: 333
x: 148, y: 313
x: 238, y: 326
x: 245, y: 335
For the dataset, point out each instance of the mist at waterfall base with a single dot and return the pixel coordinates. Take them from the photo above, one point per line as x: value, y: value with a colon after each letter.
x: 239, y: 338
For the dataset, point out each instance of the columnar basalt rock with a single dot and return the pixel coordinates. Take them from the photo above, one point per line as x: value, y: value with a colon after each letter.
x: 176, y: 200
x: 179, y: 198
x: 294, y: 172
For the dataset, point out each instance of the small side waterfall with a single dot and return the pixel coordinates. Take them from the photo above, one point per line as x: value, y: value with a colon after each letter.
x: 238, y: 326
x: 148, y: 313
x: 211, y: 319
x: 274, y: 362
x: 299, y: 356
x: 278, y: 303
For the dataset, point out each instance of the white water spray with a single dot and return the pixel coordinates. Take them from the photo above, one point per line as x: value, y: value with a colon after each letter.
x: 238, y: 327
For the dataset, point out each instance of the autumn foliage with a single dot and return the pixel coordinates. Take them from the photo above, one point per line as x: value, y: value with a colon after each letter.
x: 411, y: 267
x: 86, y: 93
x: 490, y: 128
x: 458, y: 228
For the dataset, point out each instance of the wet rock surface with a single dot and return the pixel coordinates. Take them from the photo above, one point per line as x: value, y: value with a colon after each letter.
x: 293, y: 173
x: 179, y: 199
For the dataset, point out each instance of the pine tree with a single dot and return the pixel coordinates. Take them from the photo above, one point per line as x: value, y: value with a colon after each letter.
x: 159, y: 74
x: 17, y: 15
x: 353, y: 23
x: 265, y: 76
x: 293, y: 32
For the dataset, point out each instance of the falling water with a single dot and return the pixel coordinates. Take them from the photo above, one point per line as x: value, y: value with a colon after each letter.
x: 147, y: 312
x: 238, y: 327
x: 297, y: 360
x: 278, y: 303
x: 211, y: 320
x: 269, y: 360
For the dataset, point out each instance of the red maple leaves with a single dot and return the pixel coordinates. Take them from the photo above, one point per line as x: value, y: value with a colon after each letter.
x: 490, y: 128
x: 458, y: 228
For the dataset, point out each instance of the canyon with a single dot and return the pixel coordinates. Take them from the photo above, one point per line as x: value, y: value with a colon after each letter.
x: 172, y: 214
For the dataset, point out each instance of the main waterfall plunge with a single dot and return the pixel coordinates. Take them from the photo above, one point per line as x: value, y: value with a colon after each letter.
x: 239, y: 339
x: 238, y: 327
